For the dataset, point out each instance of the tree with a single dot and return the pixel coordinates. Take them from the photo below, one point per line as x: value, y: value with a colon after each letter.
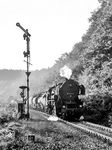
x: 97, y: 55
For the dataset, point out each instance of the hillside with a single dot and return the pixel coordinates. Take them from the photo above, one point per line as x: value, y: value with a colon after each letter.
x: 10, y: 80
x: 9, y: 83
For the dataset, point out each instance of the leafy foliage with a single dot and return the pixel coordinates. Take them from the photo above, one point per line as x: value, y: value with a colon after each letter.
x: 98, y: 52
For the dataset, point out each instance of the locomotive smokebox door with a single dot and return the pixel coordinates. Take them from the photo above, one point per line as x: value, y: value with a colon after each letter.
x: 69, y: 90
x: 20, y: 108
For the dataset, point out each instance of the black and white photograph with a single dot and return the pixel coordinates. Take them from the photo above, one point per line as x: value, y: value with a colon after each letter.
x: 56, y: 75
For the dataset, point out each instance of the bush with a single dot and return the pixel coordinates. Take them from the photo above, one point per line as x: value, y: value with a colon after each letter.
x: 95, y: 110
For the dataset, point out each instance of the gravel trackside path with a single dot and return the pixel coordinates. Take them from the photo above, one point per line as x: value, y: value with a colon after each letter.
x: 55, y: 135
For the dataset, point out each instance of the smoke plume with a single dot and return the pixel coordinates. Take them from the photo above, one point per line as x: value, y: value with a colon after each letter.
x: 65, y: 72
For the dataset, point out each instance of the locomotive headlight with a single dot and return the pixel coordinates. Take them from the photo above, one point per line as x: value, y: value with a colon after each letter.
x: 64, y: 106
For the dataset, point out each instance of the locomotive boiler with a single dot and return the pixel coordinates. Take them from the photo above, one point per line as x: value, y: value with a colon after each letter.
x: 67, y: 102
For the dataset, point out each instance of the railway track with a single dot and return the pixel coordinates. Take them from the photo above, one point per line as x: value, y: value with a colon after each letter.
x: 101, y: 132
x: 95, y: 130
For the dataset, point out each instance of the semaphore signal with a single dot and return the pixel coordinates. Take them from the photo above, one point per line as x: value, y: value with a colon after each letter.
x: 26, y: 54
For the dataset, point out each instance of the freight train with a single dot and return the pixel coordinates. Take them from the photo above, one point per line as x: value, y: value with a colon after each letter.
x: 64, y: 98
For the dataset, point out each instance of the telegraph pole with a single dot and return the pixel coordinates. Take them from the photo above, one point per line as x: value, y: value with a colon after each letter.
x: 26, y: 54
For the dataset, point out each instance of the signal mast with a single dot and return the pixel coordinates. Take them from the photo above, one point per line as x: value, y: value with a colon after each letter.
x: 26, y: 54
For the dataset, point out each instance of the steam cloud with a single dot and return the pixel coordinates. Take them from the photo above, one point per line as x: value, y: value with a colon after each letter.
x: 65, y: 72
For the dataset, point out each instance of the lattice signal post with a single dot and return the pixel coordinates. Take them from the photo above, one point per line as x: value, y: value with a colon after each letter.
x: 26, y: 54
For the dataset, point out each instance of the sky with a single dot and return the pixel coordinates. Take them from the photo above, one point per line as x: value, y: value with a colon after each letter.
x: 55, y: 26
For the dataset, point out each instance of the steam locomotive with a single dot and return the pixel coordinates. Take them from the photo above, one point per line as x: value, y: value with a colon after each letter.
x: 67, y: 102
